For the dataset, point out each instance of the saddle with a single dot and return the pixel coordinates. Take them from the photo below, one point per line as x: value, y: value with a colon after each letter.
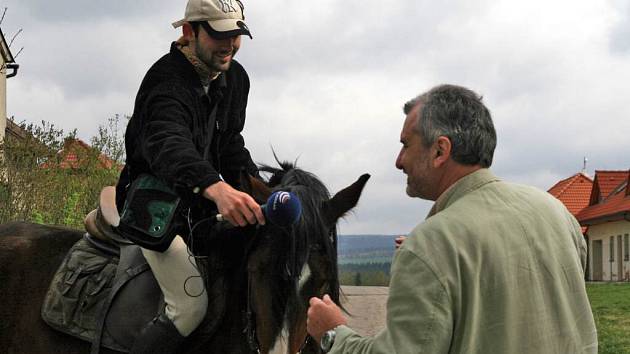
x: 104, y: 278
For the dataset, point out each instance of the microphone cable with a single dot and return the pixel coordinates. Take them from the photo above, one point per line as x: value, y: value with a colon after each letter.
x: 192, y: 257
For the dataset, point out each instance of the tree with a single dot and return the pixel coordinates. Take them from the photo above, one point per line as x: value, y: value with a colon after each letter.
x: 357, y: 279
x: 39, y: 183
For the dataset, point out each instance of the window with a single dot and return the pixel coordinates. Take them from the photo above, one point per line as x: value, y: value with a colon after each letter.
x: 612, y: 249
x: 626, y: 247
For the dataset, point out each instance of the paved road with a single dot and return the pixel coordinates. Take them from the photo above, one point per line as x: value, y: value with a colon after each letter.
x: 366, y: 305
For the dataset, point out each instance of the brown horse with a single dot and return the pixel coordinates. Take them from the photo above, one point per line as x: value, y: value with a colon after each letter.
x: 264, y: 272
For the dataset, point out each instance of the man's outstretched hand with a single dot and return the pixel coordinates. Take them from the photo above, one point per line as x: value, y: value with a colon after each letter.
x: 323, y: 315
x: 236, y: 207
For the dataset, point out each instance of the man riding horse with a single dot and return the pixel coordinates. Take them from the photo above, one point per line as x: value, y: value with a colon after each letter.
x: 186, y: 131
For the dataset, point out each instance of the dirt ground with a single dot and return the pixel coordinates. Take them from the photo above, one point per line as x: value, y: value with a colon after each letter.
x: 366, y: 305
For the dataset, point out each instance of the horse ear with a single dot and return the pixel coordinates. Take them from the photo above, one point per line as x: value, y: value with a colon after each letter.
x: 254, y: 187
x: 343, y: 201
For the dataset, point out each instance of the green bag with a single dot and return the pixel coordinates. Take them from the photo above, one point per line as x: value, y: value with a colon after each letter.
x: 148, y: 216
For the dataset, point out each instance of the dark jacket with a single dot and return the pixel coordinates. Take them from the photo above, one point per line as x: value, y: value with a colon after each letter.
x: 183, y: 135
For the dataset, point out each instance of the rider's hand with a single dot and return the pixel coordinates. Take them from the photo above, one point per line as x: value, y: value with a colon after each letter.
x: 236, y: 207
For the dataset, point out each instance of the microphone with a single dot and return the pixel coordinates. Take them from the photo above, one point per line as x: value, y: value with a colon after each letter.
x: 281, y: 209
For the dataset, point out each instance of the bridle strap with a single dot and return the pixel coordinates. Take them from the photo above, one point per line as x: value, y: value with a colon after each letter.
x: 250, y: 315
x: 306, y: 340
x: 250, y: 318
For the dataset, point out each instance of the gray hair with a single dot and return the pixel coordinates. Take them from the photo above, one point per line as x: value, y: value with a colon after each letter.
x: 457, y: 113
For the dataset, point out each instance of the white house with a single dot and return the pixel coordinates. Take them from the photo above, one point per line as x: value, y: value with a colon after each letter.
x: 607, y: 218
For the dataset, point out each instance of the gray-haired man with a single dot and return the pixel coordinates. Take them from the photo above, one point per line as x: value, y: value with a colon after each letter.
x: 495, y: 268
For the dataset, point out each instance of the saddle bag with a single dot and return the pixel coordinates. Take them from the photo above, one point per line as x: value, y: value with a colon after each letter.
x: 148, y: 216
x: 82, y: 283
x: 96, y: 288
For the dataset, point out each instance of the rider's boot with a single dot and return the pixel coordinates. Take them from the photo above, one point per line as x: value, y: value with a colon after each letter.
x: 160, y: 336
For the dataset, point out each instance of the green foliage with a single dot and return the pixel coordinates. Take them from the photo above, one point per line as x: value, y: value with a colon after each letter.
x: 110, y: 141
x: 364, y: 274
x: 357, y: 279
x: 611, y: 308
x: 37, y: 185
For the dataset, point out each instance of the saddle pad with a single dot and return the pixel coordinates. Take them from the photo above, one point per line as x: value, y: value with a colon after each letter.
x: 80, y: 301
x: 81, y: 284
x: 107, y: 299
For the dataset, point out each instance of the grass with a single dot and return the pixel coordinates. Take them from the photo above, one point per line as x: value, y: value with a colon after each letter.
x: 611, y: 308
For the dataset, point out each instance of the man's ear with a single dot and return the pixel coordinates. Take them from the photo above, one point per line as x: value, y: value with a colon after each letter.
x: 442, y: 148
x: 187, y: 32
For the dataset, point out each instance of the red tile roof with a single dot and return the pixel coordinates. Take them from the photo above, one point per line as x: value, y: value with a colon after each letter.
x: 615, y: 203
x: 574, y: 192
x: 604, y: 183
x: 73, y: 149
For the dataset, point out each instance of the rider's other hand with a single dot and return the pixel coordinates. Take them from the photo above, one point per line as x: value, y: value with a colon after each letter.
x: 236, y: 207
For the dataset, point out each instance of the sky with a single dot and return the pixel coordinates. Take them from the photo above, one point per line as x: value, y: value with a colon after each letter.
x: 329, y: 79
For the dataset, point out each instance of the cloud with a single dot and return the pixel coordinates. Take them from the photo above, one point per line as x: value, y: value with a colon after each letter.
x: 620, y: 32
x: 72, y: 11
x: 328, y: 81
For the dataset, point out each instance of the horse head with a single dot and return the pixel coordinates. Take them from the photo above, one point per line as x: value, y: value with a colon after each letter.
x: 291, y: 264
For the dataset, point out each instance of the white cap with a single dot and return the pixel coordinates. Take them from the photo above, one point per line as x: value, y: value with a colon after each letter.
x: 225, y: 17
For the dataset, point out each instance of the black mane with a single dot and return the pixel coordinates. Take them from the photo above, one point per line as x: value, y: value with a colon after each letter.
x: 309, y: 235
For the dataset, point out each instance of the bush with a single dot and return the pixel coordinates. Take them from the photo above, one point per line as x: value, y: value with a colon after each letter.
x: 38, y: 184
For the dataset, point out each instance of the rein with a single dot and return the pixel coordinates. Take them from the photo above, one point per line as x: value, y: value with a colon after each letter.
x: 250, y: 320
x: 250, y: 315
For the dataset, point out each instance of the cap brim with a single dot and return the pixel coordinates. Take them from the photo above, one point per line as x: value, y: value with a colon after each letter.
x: 221, y: 29
x: 179, y: 23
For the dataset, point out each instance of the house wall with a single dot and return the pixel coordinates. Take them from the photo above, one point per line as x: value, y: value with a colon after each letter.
x: 604, y: 232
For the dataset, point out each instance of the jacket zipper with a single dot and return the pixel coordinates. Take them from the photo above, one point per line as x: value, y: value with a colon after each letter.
x: 217, y: 145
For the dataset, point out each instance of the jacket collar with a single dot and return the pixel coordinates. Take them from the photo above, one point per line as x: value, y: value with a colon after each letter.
x: 190, y: 74
x: 463, y: 186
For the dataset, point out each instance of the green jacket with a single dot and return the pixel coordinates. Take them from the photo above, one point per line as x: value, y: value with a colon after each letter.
x: 495, y: 268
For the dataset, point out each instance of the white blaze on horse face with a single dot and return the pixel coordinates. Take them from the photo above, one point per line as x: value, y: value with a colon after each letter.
x: 304, y: 276
x: 281, y: 346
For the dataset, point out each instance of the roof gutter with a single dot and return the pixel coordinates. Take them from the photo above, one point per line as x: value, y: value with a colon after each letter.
x: 604, y: 218
x: 14, y: 67
x: 622, y: 215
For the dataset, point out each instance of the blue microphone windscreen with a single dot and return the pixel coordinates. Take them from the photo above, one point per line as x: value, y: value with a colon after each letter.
x: 283, y: 208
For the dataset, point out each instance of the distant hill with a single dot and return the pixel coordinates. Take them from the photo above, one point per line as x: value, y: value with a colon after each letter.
x: 365, y: 259
x: 359, y: 249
